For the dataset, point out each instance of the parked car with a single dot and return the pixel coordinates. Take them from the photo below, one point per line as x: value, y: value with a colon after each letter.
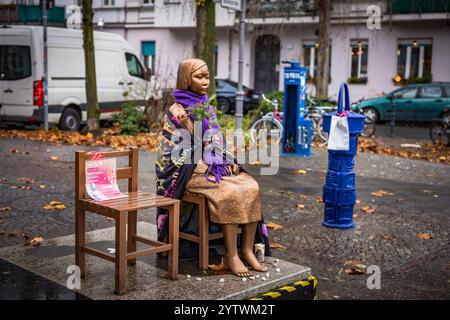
x: 416, y: 102
x: 226, y: 96
x: 121, y: 77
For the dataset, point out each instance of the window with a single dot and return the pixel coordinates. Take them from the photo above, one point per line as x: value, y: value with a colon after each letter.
x: 359, y: 56
x: 15, y: 62
x: 148, y: 2
x: 148, y: 51
x: 447, y: 89
x: 407, y: 93
x: 134, y: 67
x: 431, y: 92
x: 310, y: 58
x: 108, y: 3
x: 414, y: 59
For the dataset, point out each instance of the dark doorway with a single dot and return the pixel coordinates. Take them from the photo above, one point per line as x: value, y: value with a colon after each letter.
x: 267, y: 57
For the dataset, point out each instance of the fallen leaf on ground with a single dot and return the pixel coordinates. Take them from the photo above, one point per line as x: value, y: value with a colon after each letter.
x: 299, y: 171
x: 21, y: 187
x: 386, y: 237
x: 368, y: 210
x: 53, y: 158
x: 300, y: 206
x: 427, y: 191
x: 358, y: 201
x: 354, y: 267
x: 5, y: 209
x: 425, y: 236
x: 319, y: 199
x: 382, y: 193
x: 35, y: 242
x: 42, y: 186
x: 355, y: 216
x: 27, y: 180
x: 303, y: 197
x: 275, y: 245
x: 54, y: 205
x: 220, y: 268
x: 273, y: 225
x: 14, y: 150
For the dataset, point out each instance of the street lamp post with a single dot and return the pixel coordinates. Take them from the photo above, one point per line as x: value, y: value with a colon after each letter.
x: 240, y: 91
x: 45, y: 78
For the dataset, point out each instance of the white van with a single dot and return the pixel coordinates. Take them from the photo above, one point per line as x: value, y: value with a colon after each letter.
x: 121, y: 76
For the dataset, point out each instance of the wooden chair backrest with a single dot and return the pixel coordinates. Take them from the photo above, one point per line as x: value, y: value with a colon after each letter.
x: 130, y: 172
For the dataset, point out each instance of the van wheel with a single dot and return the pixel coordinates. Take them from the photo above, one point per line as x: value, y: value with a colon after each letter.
x: 70, y: 120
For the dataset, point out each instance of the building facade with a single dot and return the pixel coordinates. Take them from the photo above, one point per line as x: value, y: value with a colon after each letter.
x: 375, y: 45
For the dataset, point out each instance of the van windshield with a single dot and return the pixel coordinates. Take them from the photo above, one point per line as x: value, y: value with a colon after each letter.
x: 15, y: 62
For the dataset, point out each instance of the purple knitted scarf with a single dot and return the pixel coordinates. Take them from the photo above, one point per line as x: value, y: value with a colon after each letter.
x: 188, y: 100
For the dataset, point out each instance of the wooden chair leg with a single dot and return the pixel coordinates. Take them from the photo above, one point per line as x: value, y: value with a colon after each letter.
x: 132, y: 231
x: 203, y: 243
x: 174, y: 229
x: 80, y: 240
x: 120, y: 261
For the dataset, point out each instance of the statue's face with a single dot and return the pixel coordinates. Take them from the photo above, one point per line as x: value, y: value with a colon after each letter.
x: 200, y: 80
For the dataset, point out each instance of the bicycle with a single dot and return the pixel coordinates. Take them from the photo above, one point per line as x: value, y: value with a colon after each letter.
x: 315, y: 114
x: 369, y: 122
x: 270, y: 121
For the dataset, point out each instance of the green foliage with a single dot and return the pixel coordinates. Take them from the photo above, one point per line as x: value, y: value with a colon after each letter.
x: 265, y: 106
x: 356, y: 80
x: 130, y: 119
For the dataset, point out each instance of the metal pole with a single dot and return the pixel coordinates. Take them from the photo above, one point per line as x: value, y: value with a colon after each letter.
x: 45, y: 78
x: 392, y: 118
x: 240, y: 92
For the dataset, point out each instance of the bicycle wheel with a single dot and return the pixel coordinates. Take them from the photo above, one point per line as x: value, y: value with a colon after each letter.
x: 369, y: 128
x: 440, y: 133
x: 265, y: 124
x: 314, y: 126
x: 323, y: 136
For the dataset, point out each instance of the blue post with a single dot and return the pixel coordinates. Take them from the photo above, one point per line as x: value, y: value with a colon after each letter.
x: 339, y: 192
x: 297, y: 130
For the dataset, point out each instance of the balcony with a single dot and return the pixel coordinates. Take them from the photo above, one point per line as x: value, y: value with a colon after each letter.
x: 418, y: 6
x: 19, y: 14
x: 280, y: 8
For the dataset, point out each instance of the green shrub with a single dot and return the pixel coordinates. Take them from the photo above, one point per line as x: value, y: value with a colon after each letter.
x: 265, y: 106
x: 130, y: 119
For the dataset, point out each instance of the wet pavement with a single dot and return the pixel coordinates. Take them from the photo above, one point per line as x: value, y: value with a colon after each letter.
x: 411, y: 267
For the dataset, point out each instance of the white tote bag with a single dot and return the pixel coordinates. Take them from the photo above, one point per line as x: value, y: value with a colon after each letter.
x: 339, y: 138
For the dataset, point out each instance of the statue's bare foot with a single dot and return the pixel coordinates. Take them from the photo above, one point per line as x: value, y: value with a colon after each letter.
x: 250, y: 258
x: 236, y: 266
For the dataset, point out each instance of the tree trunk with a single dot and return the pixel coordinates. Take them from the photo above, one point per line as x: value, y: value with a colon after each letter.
x: 323, y: 59
x: 205, y: 38
x: 93, y: 112
x: 200, y: 27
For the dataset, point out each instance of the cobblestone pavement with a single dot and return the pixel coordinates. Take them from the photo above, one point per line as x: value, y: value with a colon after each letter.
x: 411, y: 267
